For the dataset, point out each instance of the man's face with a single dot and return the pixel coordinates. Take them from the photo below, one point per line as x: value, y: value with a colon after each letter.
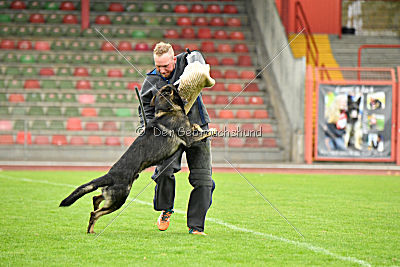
x: 165, y: 64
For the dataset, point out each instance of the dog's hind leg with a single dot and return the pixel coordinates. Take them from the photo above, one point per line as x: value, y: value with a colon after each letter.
x: 96, y: 201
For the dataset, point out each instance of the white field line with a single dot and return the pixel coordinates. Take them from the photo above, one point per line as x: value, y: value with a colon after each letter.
x: 228, y: 225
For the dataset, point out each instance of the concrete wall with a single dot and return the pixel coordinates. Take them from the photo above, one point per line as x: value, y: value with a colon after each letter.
x: 285, y: 75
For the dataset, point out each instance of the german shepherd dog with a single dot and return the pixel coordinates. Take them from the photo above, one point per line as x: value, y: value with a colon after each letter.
x: 353, y: 129
x: 162, y: 137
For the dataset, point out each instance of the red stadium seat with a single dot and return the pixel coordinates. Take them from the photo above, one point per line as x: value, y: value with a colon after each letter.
x: 24, y: 138
x: 112, y: 141
x: 221, y: 100
x: 217, y: 22
x: 214, y: 126
x: 235, y: 142
x: 142, y: 47
x: 216, y: 74
x: 115, y: 73
x: 171, y: 34
x: 228, y: 61
x: 224, y: 48
x: 239, y: 100
x: 103, y: 20
x: 81, y: 72
x: 42, y: 45
x: 89, y: 112
x: 200, y: 21
x: 235, y: 35
x: 125, y: 46
x: 70, y: 19
x: 92, y: 126
x: 218, y: 87
x: 245, y: 60
x: 220, y: 34
x: 231, y: 127
x: 77, y: 141
x: 5, y: 125
x: 213, y: 9
x: 181, y: 9
x: 6, y: 139
x: 74, y: 124
x: 207, y: 99
x: 18, y: 5
x: 16, y: 98
x: 265, y: 128
x: 31, y: 84
x: 132, y: 85
x: 86, y: 99
x: 177, y: 48
x: 243, y: 114
x: 217, y: 142
x: 24, y: 45
x: 128, y: 140
x: 234, y: 87
x: 204, y: 33
x: 207, y: 47
x: 269, y: 142
x: 213, y: 61
x: 7, y: 44
x: 67, y: 5
x: 197, y: 8
x: 252, y: 142
x: 248, y: 127
x: 184, y: 21
x: 109, y: 126
x: 192, y: 46
x: 83, y: 85
x: 256, y: 100
x: 260, y: 114
x: 212, y: 113
x: 231, y: 74
x: 46, y: 72
x: 252, y: 87
x: 116, y: 7
x: 226, y: 114
x: 233, y: 22
x: 240, y: 48
x: 36, y: 18
x: 59, y: 140
x: 247, y: 74
x: 41, y: 140
x: 106, y: 46
x: 188, y: 33
x: 94, y: 141
x: 230, y: 9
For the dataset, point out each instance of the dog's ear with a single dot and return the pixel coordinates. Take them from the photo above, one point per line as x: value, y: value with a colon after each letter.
x: 358, y: 100
x: 152, y: 102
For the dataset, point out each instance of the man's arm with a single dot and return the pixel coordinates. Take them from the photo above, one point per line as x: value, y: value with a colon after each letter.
x: 146, y: 94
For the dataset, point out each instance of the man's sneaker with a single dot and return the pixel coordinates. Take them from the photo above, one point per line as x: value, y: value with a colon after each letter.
x: 163, y: 220
x: 196, y: 232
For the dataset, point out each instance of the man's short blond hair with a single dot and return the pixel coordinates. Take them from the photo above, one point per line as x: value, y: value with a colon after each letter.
x: 163, y: 48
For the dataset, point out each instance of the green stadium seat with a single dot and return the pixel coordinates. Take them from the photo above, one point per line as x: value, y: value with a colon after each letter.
x: 100, y: 7
x: 156, y: 34
x: 5, y: 18
x: 64, y: 72
x: 98, y: 72
x: 139, y: 34
x: 35, y: 111
x: 56, y: 125
x: 40, y: 32
x: 54, y: 19
x: 107, y: 32
x: 60, y: 58
x: 38, y: 125
x: 127, y: 126
x: 58, y: 45
x: 15, y: 84
x: 112, y: 59
x: 106, y: 112
x: 23, y: 31
x: 52, y: 97
x: 10, y: 58
x: 95, y: 59
x: 91, y: 46
x: 101, y: 85
x: 56, y: 32
x: 28, y: 59
x: 4, y: 111
x: 29, y: 72
x: 75, y: 45
x: 3, y: 97
x: 2, y: 84
x: 36, y: 5
x: 135, y: 20
x: 103, y: 98
x: 134, y: 7
x: 33, y: 97
x: 53, y: 111
x: 18, y: 111
x: 78, y: 59
x: 21, y: 18
x: 19, y: 125
x: 122, y: 33
x: 118, y: 85
x: 45, y: 58
x: 49, y: 84
x: 165, y: 8
x: 6, y: 31
x: 65, y: 84
x: 71, y: 112
x: 12, y: 71
x: 131, y: 72
x: 73, y: 32
x: 123, y: 112
x: 152, y: 21
x: 4, y: 4
x: 68, y: 98
x: 149, y: 7
x: 51, y: 6
x: 121, y: 98
x: 89, y: 33
x: 118, y: 20
x: 144, y: 60
x: 168, y: 21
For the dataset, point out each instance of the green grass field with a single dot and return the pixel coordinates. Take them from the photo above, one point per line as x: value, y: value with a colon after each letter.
x: 346, y: 220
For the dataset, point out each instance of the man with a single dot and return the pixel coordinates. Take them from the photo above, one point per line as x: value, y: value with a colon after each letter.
x: 168, y: 69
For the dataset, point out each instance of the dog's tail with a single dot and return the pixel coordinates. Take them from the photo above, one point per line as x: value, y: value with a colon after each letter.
x: 84, y: 189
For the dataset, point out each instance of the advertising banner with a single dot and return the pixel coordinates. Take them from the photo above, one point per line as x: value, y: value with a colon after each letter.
x: 354, y: 122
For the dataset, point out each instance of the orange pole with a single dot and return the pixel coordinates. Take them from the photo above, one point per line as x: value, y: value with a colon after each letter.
x: 308, y: 120
x: 397, y: 103
x: 85, y: 14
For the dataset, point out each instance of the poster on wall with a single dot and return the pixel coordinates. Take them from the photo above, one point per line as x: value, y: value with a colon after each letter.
x: 354, y: 121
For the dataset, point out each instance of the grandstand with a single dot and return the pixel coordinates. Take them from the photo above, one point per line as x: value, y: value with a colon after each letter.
x: 67, y: 96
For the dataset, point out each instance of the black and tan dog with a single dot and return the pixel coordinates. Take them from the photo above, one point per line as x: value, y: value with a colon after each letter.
x: 162, y: 137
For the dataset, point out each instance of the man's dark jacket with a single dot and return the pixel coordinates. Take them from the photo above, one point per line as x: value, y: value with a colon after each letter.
x: 154, y: 81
